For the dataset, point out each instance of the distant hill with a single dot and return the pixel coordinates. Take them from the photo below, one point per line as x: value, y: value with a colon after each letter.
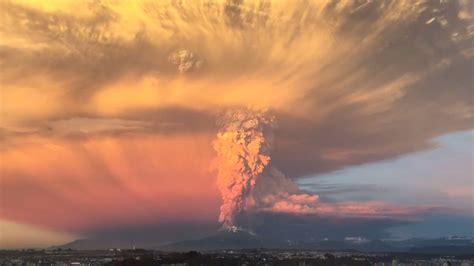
x: 104, y: 243
x: 227, y: 240
x: 445, y: 250
x: 240, y: 239
x: 244, y: 240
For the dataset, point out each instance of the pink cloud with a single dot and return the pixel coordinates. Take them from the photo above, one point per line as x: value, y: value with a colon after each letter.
x: 310, y: 204
x: 81, y: 185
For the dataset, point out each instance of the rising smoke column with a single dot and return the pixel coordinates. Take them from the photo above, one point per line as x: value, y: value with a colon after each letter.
x: 243, y: 152
x: 248, y: 182
x: 246, y: 179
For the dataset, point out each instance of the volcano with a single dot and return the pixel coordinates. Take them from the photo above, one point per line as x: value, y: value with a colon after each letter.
x: 229, y: 238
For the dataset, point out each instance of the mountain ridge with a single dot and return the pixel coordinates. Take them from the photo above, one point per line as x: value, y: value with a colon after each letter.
x: 240, y: 239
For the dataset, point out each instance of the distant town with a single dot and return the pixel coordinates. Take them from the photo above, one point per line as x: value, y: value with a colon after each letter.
x: 63, y: 257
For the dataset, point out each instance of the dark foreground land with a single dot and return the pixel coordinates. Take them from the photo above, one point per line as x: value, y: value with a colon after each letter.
x: 224, y: 257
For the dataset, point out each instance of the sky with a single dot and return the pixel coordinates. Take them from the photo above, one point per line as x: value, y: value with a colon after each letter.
x: 444, y: 177
x: 171, y: 119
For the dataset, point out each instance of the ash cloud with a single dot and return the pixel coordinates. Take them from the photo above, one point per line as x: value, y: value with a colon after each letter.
x: 243, y: 152
x: 186, y: 61
x: 348, y: 83
x: 249, y: 182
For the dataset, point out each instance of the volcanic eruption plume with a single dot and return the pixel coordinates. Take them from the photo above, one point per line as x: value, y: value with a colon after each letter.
x: 246, y: 179
x: 248, y: 182
x: 243, y: 152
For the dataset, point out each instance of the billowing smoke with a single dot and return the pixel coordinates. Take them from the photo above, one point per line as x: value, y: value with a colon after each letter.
x: 186, y: 61
x: 243, y: 152
x: 249, y: 183
x: 246, y: 179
